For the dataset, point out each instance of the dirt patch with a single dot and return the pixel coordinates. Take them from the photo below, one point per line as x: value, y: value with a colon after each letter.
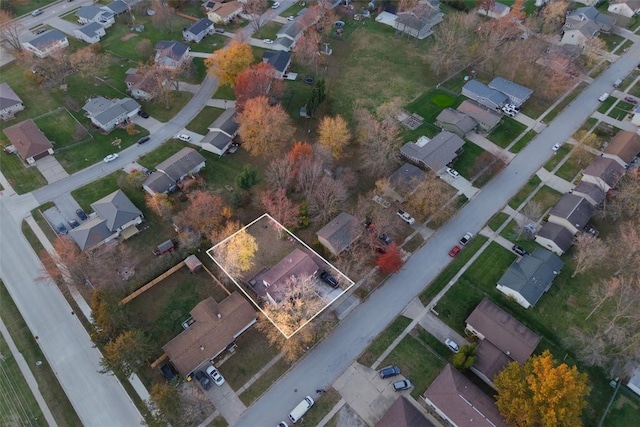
x: 127, y: 37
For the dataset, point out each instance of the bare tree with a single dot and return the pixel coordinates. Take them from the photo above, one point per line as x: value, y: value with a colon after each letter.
x: 625, y: 246
x: 453, y: 43
x: 10, y: 30
x: 626, y: 203
x: 589, y: 253
x: 429, y: 197
x: 280, y: 207
x: 530, y: 214
x: 327, y: 198
x: 279, y: 173
x: 309, y: 176
x: 255, y: 9
x: 379, y: 141
x: 164, y: 17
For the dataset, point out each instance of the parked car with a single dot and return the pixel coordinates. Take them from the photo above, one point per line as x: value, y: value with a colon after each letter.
x: 385, y: 239
x: 233, y: 148
x: 512, y: 107
x: 454, y: 251
x: 61, y: 229
x: 453, y: 346
x: 631, y: 100
x: 268, y: 41
x: 36, y: 12
x: 291, y: 18
x: 73, y: 223
x: 168, y: 371
x: 204, y: 380
x: 81, y: 214
x: 282, y: 424
x: 465, y: 239
x: 406, y: 217
x: 603, y: 97
x: 329, y: 279
x: 519, y: 250
x: 452, y: 173
x: 402, y: 385
x: 389, y: 371
x: 110, y: 158
x: 143, y: 114
x: 275, y: 5
x: 219, y: 30
x: 555, y: 147
x: 184, y: 137
x: 215, y: 375
x: 143, y: 140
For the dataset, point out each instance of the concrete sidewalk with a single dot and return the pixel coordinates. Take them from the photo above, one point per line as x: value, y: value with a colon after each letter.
x: 561, y: 185
x: 626, y: 125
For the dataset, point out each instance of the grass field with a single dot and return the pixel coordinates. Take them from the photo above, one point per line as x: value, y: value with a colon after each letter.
x: 264, y: 382
x: 200, y: 123
x: 524, y: 192
x: 384, y: 340
x: 23, y: 179
x: 572, y: 167
x: 506, y: 132
x: 523, y: 142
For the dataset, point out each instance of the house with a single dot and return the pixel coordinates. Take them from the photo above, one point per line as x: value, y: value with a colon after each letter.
x: 223, y: 13
x: 456, y: 122
x: 221, y: 133
x: 117, y: 7
x: 46, y: 43
x: 571, y: 212
x: 486, y: 118
x: 503, y: 339
x: 89, y: 14
x: 339, y: 233
x: 603, y: 172
x: 626, y: 8
x: 554, y: 237
x: 288, y: 35
x: 186, y: 162
x: 419, y: 21
x: 434, y: 153
x: 585, y: 23
x: 530, y: 276
x: 116, y: 216
x: 171, y: 54
x: 404, y: 181
x: 496, y: 10
x: 279, y: 60
x: 517, y: 94
x: 623, y: 148
x: 484, y: 95
x: 90, y: 33
x: 634, y: 381
x: 29, y: 141
x: 10, y: 103
x: 107, y: 114
x: 144, y: 87
x: 213, y: 327
x: 593, y: 193
x: 461, y: 403
x: 636, y: 116
x: 403, y: 413
x: 297, y: 265
x: 198, y: 30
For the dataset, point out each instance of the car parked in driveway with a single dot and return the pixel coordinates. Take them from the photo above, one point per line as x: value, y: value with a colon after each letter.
x: 215, y: 375
x: 631, y: 100
x: 386, y: 239
x: 81, y: 214
x: 143, y: 114
x: 275, y: 5
x: 452, y: 173
x: 184, y: 137
x: 454, y: 251
x: 389, y: 371
x: 402, y: 385
x: 267, y: 41
x: 61, y: 229
x: 204, y: 380
x: 110, y: 158
x: 73, y: 223
x: 519, y: 250
x: 329, y: 279
x: 406, y: 217
x: 453, y: 346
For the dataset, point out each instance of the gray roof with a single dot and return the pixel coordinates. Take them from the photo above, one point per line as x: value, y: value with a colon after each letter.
x: 291, y: 29
x: 575, y: 209
x: 47, y: 38
x: 89, y: 12
x: 91, y: 29
x: 403, y: 414
x: 8, y: 98
x: 484, y: 91
x: 559, y: 235
x: 158, y: 182
x: 181, y: 164
x: 480, y: 113
x: 606, y: 169
x: 226, y: 122
x: 436, y: 153
x: 591, y: 190
x: 199, y: 26
x: 462, y: 121
x: 116, y: 109
x: 532, y: 275
x: 278, y: 59
x: 171, y: 49
x: 591, y: 13
x: 90, y: 233
x: 511, y: 89
x: 341, y: 231
x: 219, y: 140
x: 284, y: 41
x: 118, y: 7
x: 116, y: 209
x: 96, y: 105
x: 406, y: 177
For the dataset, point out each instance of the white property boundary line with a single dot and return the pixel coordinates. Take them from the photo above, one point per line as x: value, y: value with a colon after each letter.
x: 293, y: 236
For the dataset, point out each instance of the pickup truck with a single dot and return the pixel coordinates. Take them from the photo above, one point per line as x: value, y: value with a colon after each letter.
x: 465, y: 239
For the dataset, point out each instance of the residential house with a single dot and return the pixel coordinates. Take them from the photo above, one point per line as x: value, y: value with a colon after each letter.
x: 530, y: 276
x: 517, y: 94
x: 496, y: 10
x: 461, y: 403
x: 434, y: 153
x: 403, y: 413
x: 593, y: 193
x: 223, y: 13
x: 404, y: 181
x: 636, y: 115
x: 116, y: 216
x: 572, y: 212
x: 279, y: 60
x: 221, y: 133
x: 634, y: 381
x: 186, y: 162
x: 198, y: 30
x: 46, y: 43
x: 486, y: 118
x: 91, y: 13
x: 339, y: 233
x: 288, y: 35
x: 90, y: 33
x: 623, y: 148
x: 106, y: 114
x: 10, y: 103
x: 29, y: 141
x: 144, y: 86
x: 276, y: 282
x: 626, y: 8
x: 171, y: 54
x: 213, y: 327
x: 503, y: 339
x: 419, y: 21
x: 117, y: 7
x: 456, y: 122
x: 603, y: 172
x: 484, y: 95
x: 554, y: 237
x: 585, y: 23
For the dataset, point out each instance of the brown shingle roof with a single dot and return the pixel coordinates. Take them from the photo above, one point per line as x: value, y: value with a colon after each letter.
x: 216, y: 326
x: 403, y: 414
x: 28, y: 139
x: 625, y: 145
x: 608, y: 170
x: 297, y: 264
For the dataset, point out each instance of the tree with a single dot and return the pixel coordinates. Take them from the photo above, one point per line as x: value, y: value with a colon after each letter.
x: 145, y: 49
x: 317, y: 96
x: 327, y: 198
x: 308, y: 176
x: 226, y: 63
x: 204, y: 214
x: 247, y: 178
x: 541, y: 393
x: 126, y: 353
x: 237, y: 254
x: 255, y: 9
x: 160, y: 204
x: 593, y: 51
x: 589, y: 253
x: 391, y: 261
x: 280, y: 207
x: 333, y: 133
x: 380, y: 141
x: 264, y: 129
x: 429, y: 197
x: 529, y: 216
x: 10, y: 30
x: 166, y: 401
x: 307, y: 49
x: 453, y: 43
x: 553, y: 15
x: 626, y: 203
x: 293, y: 347
x: 257, y: 80
x: 465, y: 358
x: 164, y: 17
x: 87, y: 60
x: 109, y: 319
x: 299, y: 153
x: 626, y: 247
x: 279, y: 173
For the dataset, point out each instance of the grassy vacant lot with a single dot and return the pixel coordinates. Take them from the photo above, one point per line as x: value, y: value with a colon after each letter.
x: 200, y: 123
x: 384, y: 340
x: 570, y: 168
x: 416, y: 362
x: 323, y: 404
x: 62, y: 129
x: 52, y: 393
x: 523, y: 142
x: 264, y: 382
x: 524, y: 192
x: 506, y: 132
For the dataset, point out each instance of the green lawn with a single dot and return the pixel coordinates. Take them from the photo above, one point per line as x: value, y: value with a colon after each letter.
x: 497, y: 220
x: 23, y: 179
x: 523, y: 142
x: 224, y: 92
x: 611, y: 40
x: 322, y: 406
x: 160, y: 112
x: 547, y: 197
x: 19, y: 8
x: 570, y: 169
x: 264, y: 382
x: 625, y: 411
x: 383, y: 341
x: 620, y: 111
x: 160, y: 154
x: 557, y: 157
x: 210, y: 43
x: 506, y: 132
x: 466, y: 161
x: 200, y: 123
x: 96, y: 190
x: 431, y: 103
x: 62, y: 129
x: 604, y: 106
x: 268, y: 31
x: 524, y: 192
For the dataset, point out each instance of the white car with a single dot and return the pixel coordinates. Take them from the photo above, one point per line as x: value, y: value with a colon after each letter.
x: 275, y: 5
x: 453, y: 346
x: 110, y: 158
x: 406, y: 217
x: 452, y: 173
x: 268, y: 41
x: 465, y: 239
x: 215, y: 375
x: 184, y: 137
x: 555, y: 147
x: 291, y: 18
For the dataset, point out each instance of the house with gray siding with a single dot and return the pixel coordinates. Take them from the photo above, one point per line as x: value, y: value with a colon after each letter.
x: 106, y: 114
x: 484, y: 95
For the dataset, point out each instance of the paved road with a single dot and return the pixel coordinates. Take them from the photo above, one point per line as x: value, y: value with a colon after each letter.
x: 332, y: 356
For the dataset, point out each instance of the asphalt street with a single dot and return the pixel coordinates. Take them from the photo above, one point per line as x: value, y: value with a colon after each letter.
x: 333, y: 355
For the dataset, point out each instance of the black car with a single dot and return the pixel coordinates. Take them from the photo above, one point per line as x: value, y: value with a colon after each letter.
x: 329, y: 279
x: 143, y: 140
x: 385, y: 239
x: 168, y: 371
x: 205, y: 382
x: 519, y: 250
x: 143, y: 114
x: 61, y: 229
x: 81, y: 214
x: 389, y: 371
x: 73, y: 223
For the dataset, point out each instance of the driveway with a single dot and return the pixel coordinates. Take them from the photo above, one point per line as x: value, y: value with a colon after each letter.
x: 226, y: 401
x: 51, y: 169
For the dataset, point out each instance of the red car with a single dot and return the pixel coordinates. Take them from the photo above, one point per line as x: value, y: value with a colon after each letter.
x: 631, y: 100
x: 454, y: 251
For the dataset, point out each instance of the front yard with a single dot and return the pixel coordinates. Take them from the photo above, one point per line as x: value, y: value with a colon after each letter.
x: 506, y: 132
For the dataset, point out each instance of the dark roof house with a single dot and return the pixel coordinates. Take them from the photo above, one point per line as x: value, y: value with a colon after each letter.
x: 403, y: 414
x: 168, y: 173
x: 434, y: 153
x: 29, y: 141
x: 483, y: 94
x: 604, y: 172
x: 517, y: 94
x: 590, y: 191
x: 487, y: 118
x: 47, y: 42
x: 107, y: 114
x: 624, y: 147
x: 404, y: 181
x: 10, y: 102
x: 279, y: 60
x: 572, y: 212
x: 118, y: 7
x: 297, y: 265
x: 221, y: 133
x: 198, y: 30
x: 456, y: 122
x: 339, y: 233
x: 554, y: 237
x: 171, y: 54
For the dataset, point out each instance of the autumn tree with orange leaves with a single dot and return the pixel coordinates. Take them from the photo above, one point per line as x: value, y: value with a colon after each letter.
x: 280, y: 207
x: 541, y: 393
x: 334, y: 134
x: 264, y: 129
x: 205, y: 213
x: 257, y: 80
x: 391, y: 261
x: 226, y: 63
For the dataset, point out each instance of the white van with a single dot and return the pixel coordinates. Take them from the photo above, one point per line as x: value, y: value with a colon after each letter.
x: 603, y: 97
x: 617, y: 83
x: 300, y: 409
